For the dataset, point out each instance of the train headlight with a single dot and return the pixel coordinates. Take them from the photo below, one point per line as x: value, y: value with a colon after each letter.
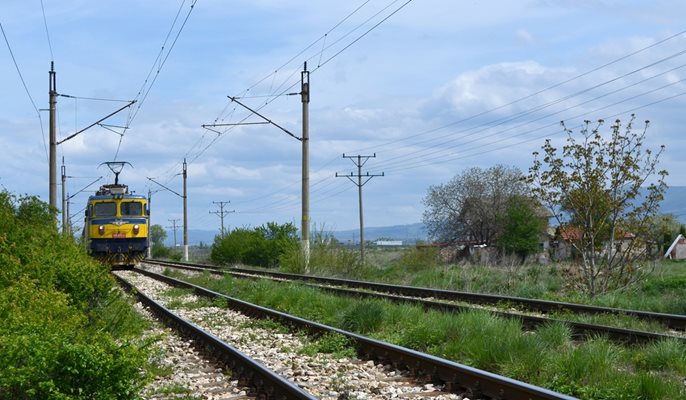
x: 101, y: 229
x: 136, y: 229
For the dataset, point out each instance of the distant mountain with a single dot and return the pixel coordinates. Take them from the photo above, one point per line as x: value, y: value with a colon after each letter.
x: 409, y: 234
x: 674, y: 203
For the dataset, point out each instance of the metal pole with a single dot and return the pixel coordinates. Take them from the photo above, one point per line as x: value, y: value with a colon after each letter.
x: 305, y: 226
x: 53, y: 137
x: 185, y: 212
x: 359, y: 196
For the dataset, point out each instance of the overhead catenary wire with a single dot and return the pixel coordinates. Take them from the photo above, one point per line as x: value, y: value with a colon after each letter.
x: 539, y: 107
x: 26, y: 89
x: 498, y: 140
x: 309, y: 58
x: 319, y: 54
x: 47, y: 32
x: 156, y: 67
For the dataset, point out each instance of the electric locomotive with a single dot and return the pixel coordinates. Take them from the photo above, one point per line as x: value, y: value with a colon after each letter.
x: 116, y: 224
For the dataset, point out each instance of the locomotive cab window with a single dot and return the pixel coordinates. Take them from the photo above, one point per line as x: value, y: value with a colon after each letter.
x: 106, y: 209
x: 131, y: 208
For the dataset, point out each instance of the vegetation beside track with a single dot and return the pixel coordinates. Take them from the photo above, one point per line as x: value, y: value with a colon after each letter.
x: 65, y: 333
x: 660, y: 291
x: 595, y: 369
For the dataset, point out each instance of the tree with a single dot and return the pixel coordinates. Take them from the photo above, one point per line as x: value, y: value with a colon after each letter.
x: 261, y: 246
x: 663, y: 229
x: 470, y: 207
x: 157, y: 235
x: 594, y: 187
x: 522, y: 227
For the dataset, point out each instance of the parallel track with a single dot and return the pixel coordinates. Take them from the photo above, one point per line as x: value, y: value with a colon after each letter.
x: 249, y: 372
x: 398, y: 293
x: 456, y: 377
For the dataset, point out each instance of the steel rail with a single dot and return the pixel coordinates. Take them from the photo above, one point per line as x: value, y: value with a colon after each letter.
x: 672, y: 321
x: 580, y: 330
x: 457, y: 377
x: 263, y: 381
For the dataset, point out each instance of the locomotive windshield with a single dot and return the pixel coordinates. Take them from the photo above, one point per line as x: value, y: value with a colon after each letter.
x: 106, y: 209
x: 131, y: 208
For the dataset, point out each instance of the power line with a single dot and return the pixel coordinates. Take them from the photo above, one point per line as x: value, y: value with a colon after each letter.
x: 361, y: 161
x: 482, y: 129
x: 286, y: 90
x: 26, y: 89
x: 531, y: 95
x: 222, y: 213
x: 47, y: 33
x: 144, y: 91
x: 540, y: 107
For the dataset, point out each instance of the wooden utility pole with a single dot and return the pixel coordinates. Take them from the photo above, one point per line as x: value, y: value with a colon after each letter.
x: 361, y: 160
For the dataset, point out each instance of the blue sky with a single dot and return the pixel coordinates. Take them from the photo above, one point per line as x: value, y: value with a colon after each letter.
x: 438, y: 87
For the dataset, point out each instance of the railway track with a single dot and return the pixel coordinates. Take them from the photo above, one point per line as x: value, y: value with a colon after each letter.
x: 247, y: 372
x: 418, y: 295
x: 388, y: 363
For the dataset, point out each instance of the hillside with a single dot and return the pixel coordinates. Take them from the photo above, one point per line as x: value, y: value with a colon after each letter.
x: 674, y: 203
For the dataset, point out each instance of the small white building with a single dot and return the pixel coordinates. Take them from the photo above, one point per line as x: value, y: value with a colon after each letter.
x: 677, y: 251
x: 389, y: 242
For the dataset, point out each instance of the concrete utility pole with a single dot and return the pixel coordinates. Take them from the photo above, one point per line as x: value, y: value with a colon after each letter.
x: 361, y: 160
x: 149, y: 223
x: 53, y: 136
x: 305, y: 226
x: 65, y: 211
x: 174, y: 221
x: 53, y: 133
x: 221, y: 213
x: 305, y: 139
x: 185, y: 212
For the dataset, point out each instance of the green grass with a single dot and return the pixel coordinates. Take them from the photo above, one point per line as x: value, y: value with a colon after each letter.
x: 594, y: 369
x: 662, y: 291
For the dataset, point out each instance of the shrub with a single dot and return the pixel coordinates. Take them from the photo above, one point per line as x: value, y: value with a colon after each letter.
x: 417, y: 259
x: 65, y: 332
x: 262, y: 246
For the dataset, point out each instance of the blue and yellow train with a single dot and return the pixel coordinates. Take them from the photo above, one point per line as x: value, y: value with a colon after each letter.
x: 116, y: 225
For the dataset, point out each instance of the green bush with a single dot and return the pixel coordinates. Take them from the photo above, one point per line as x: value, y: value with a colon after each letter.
x: 262, y: 246
x: 65, y: 333
x: 417, y: 259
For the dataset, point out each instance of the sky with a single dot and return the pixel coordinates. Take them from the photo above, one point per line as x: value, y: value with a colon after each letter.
x: 429, y: 88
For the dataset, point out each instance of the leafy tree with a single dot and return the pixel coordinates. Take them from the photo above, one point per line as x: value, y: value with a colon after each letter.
x: 523, y: 225
x: 662, y: 230
x: 261, y: 246
x: 280, y: 238
x: 157, y: 235
x: 594, y: 186
x: 471, y: 205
